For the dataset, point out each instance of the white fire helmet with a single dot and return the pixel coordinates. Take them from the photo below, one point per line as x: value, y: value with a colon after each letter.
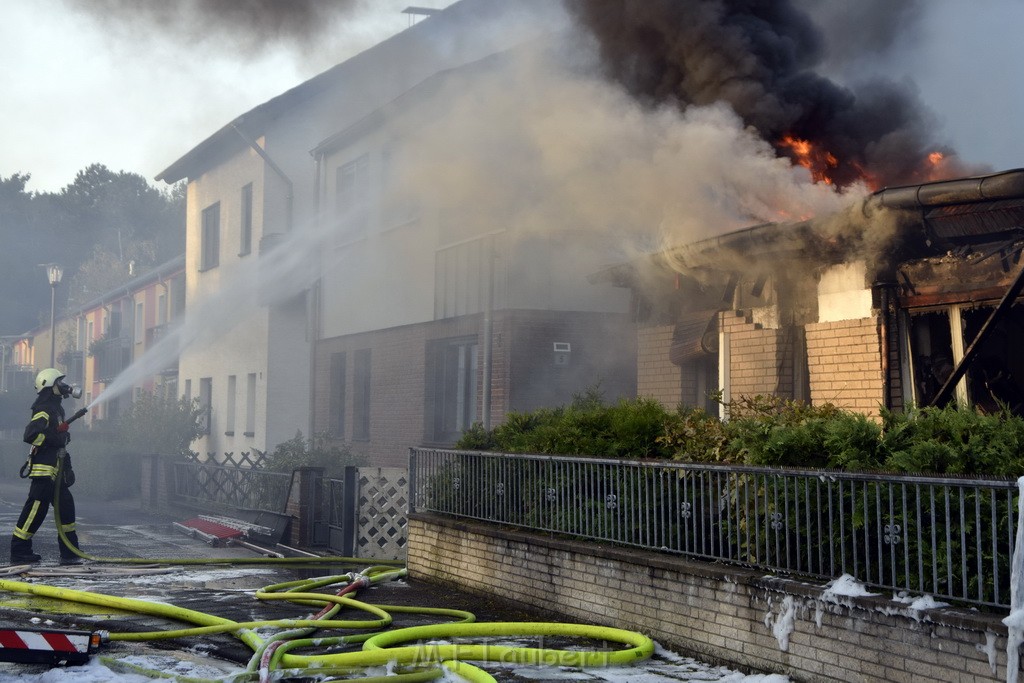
x: 49, y: 378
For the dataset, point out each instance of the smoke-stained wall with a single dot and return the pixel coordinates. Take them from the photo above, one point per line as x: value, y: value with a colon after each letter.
x: 250, y: 320
x: 233, y: 316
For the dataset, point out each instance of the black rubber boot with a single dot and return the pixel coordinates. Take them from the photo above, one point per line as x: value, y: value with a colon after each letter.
x: 66, y: 555
x: 21, y: 552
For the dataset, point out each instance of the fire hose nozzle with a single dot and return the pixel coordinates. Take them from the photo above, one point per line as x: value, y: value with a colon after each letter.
x: 81, y: 412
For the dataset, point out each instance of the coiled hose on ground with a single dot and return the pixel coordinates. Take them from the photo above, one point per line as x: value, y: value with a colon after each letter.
x: 273, y: 656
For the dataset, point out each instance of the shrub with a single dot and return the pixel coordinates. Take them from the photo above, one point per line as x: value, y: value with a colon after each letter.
x: 629, y: 428
x: 951, y: 441
x: 154, y: 424
x: 317, y: 451
x: 768, y: 431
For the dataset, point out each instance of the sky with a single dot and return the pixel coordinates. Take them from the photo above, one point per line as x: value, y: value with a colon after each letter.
x: 79, y: 88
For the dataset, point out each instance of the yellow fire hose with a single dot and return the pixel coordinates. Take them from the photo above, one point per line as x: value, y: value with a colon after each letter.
x: 421, y: 661
x: 382, y: 648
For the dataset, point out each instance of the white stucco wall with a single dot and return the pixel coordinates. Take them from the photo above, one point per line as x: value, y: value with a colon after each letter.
x: 843, y: 293
x: 230, y: 328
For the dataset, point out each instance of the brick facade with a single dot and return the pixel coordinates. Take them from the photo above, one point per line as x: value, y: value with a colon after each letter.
x: 761, y: 358
x: 845, y: 364
x: 523, y: 373
x: 716, y: 613
x: 656, y: 376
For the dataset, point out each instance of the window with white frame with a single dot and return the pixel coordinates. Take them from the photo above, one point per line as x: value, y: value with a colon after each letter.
x: 206, y: 404
x: 229, y: 415
x: 250, y: 404
x: 351, y: 198
x: 210, y: 238
x: 140, y: 327
x: 161, y: 309
x: 245, y: 238
x: 337, y: 401
x: 451, y: 388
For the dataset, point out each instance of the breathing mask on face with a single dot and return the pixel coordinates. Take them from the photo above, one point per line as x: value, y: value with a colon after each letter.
x: 67, y: 390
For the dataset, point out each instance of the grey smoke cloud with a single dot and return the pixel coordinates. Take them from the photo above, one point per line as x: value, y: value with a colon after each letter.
x: 537, y: 145
x: 246, y: 25
x: 853, y: 33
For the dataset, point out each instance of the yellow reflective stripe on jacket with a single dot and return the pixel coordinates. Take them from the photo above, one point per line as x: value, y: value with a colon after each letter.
x: 43, y: 471
x: 40, y: 438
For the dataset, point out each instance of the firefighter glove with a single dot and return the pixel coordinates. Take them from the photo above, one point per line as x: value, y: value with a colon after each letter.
x: 63, y: 427
x: 69, y: 477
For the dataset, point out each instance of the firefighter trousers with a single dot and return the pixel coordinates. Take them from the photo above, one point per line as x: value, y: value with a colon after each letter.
x: 40, y: 495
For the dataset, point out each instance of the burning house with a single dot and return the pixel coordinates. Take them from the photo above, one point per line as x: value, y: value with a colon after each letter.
x: 414, y: 228
x: 902, y: 296
x: 909, y: 298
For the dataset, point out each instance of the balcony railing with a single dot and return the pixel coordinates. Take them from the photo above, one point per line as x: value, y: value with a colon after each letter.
x: 74, y: 361
x: 112, y: 356
x: 18, y: 377
x: 943, y: 536
x: 153, y: 337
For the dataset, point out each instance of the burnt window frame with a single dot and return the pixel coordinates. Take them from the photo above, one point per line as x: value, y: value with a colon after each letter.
x: 966, y: 391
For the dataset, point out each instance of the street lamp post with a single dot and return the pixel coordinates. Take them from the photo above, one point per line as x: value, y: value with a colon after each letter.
x: 53, y: 274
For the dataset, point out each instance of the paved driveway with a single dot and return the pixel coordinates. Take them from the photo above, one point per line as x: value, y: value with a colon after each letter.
x: 121, y: 530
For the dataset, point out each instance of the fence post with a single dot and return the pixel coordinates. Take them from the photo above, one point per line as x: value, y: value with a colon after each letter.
x: 155, y: 482
x: 412, y: 480
x: 350, y: 507
x: 147, y: 481
x: 1015, y: 634
x: 304, y: 503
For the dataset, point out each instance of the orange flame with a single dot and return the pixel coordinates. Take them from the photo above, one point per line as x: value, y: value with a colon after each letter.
x: 818, y: 161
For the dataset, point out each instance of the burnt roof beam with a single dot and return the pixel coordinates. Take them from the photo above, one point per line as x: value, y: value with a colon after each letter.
x: 979, y: 340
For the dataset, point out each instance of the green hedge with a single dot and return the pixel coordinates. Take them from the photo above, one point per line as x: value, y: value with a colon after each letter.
x: 768, y: 431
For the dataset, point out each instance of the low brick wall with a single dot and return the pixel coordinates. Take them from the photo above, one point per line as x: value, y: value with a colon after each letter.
x: 719, y: 614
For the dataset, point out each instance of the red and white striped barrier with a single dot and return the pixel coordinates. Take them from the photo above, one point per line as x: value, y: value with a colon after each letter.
x: 46, y: 646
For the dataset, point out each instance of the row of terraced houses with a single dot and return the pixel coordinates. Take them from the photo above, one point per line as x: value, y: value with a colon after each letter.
x: 325, y: 298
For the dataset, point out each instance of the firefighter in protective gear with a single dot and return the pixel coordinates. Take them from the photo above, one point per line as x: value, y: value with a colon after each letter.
x: 48, y: 434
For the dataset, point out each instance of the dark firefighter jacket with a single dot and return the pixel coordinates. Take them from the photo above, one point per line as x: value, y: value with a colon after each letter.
x: 41, y: 432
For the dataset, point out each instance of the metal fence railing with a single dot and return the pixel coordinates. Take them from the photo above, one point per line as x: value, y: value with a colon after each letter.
x: 942, y: 536
x: 231, y: 486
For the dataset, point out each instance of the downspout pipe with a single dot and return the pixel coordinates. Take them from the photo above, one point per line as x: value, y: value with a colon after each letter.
x: 488, y: 336
x: 315, y: 304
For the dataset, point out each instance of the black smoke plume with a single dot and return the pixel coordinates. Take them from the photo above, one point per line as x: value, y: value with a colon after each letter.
x: 761, y: 57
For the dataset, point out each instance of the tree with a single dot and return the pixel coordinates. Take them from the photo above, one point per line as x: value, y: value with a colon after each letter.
x: 102, y: 218
x: 316, y: 451
x: 154, y: 424
x: 24, y: 232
